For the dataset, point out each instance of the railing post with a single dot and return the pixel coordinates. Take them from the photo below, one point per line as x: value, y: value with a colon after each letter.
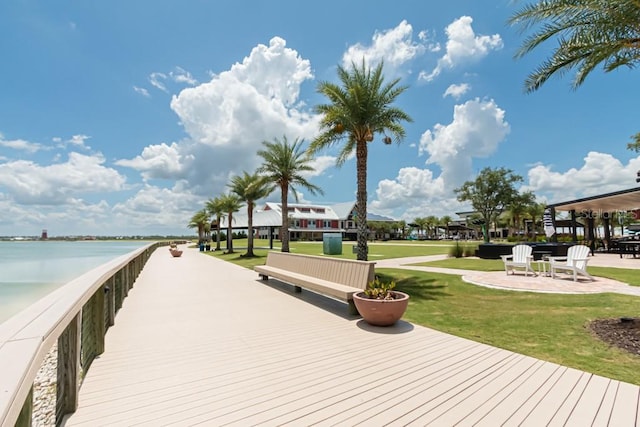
x: 98, y: 320
x: 110, y: 291
x: 68, y: 369
x: 125, y: 281
x: 26, y: 413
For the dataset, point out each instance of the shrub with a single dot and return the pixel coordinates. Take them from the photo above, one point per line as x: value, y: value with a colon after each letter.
x: 456, y: 251
x: 469, y: 250
x: 380, y: 290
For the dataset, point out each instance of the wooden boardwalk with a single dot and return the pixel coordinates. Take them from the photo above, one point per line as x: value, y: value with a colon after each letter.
x: 203, y: 342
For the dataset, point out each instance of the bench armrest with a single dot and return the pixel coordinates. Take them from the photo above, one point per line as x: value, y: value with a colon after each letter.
x: 506, y: 257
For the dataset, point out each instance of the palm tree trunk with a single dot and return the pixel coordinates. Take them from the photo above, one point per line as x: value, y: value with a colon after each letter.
x: 229, y: 233
x: 250, y: 229
x: 218, y: 218
x: 361, y: 204
x: 284, y: 230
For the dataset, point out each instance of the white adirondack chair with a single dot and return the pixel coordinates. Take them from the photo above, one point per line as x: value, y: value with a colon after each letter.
x: 520, y: 258
x: 575, y: 262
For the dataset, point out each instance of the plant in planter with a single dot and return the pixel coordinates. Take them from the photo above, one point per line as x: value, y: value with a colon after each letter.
x: 380, y: 304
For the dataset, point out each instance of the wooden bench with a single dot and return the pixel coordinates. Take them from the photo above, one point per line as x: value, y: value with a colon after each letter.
x: 334, y: 277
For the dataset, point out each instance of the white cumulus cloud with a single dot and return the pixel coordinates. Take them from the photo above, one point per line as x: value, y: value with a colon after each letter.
x: 600, y: 173
x: 394, y: 46
x: 20, y: 145
x: 456, y: 90
x: 30, y: 183
x: 463, y: 46
x: 413, y: 193
x: 159, y: 161
x: 478, y: 126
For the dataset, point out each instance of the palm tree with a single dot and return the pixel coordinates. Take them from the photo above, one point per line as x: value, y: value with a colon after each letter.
x: 215, y: 208
x: 535, y: 210
x: 284, y: 164
x: 402, y: 225
x: 421, y: 223
x: 589, y: 33
x: 198, y: 221
x: 518, y: 208
x: 250, y: 188
x: 446, y: 220
x: 431, y: 223
x: 230, y: 203
x: 358, y: 109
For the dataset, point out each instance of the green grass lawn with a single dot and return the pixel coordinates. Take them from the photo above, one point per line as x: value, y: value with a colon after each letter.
x: 377, y: 250
x: 546, y: 326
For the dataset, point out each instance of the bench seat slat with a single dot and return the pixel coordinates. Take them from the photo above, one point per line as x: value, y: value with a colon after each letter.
x: 335, y: 277
x: 324, y: 287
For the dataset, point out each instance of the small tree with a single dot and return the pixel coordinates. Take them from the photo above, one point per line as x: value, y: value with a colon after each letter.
x: 215, y: 208
x: 490, y: 193
x: 230, y: 203
x: 517, y: 209
x: 284, y: 165
x: 250, y: 188
x: 198, y: 221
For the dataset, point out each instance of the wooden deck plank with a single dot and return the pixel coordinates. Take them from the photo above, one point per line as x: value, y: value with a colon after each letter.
x: 560, y: 386
x: 474, y: 398
x: 386, y: 392
x: 590, y: 406
x: 626, y: 397
x: 232, y: 349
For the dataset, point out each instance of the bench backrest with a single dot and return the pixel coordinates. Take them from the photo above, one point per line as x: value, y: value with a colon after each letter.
x: 344, y: 271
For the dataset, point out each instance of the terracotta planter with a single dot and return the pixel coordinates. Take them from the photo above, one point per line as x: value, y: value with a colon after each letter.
x: 175, y: 252
x: 381, y: 312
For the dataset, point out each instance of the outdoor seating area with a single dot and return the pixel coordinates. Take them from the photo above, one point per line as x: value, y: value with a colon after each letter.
x: 338, y: 278
x: 520, y: 258
x: 574, y: 263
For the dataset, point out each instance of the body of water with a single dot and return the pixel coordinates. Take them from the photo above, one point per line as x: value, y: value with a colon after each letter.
x: 29, y: 270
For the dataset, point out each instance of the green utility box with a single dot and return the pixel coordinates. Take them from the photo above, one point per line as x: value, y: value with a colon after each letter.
x: 332, y: 243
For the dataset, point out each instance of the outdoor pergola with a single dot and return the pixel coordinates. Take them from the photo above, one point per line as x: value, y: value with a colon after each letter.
x: 602, y: 206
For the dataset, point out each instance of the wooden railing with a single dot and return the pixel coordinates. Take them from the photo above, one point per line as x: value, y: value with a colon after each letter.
x: 76, y: 316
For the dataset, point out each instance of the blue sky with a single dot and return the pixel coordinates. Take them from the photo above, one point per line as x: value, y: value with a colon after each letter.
x: 124, y: 117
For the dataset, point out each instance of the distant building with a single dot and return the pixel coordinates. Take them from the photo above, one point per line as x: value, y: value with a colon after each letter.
x: 44, y: 235
x: 306, y: 221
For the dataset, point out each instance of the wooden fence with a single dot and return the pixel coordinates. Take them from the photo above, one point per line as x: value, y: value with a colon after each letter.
x: 76, y: 316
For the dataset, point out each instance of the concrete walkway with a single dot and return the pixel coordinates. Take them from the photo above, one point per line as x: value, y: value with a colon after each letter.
x: 200, y: 341
x: 539, y: 283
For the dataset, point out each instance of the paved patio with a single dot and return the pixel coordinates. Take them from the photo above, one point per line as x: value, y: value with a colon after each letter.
x: 201, y: 341
x: 562, y: 284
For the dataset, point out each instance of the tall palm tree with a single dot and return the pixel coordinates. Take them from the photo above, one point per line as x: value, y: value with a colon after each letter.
x: 432, y: 222
x: 284, y: 164
x: 518, y: 208
x: 358, y: 109
x: 535, y: 210
x: 250, y: 188
x: 421, y: 223
x: 402, y: 226
x: 198, y: 221
x: 589, y: 33
x: 230, y: 203
x: 215, y: 209
x: 446, y: 221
